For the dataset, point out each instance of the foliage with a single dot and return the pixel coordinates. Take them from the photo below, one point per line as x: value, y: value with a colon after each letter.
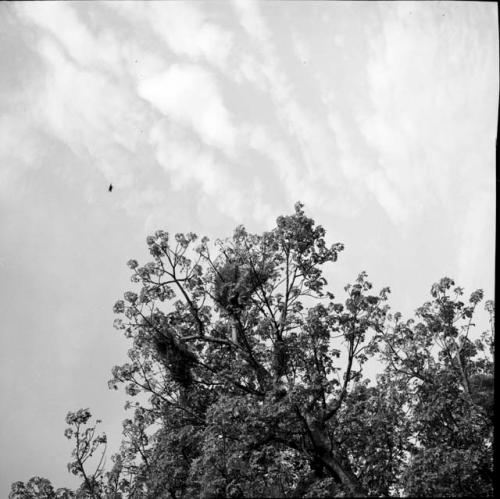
x: 450, y: 394
x: 253, y: 378
x: 39, y: 488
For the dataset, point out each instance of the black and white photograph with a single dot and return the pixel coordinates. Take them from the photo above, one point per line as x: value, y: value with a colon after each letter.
x: 247, y: 248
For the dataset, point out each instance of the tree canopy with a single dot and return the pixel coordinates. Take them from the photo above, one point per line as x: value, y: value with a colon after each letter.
x: 246, y: 378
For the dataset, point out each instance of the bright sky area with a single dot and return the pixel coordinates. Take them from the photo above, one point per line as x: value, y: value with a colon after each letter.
x: 381, y: 117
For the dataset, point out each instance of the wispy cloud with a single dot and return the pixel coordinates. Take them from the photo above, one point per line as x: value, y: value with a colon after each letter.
x: 423, y: 92
x: 84, y: 47
x: 189, y: 94
x: 80, y: 96
x: 96, y: 81
x: 186, y: 29
x: 252, y: 20
x: 305, y: 130
x: 189, y: 32
x: 187, y: 159
x: 108, y: 96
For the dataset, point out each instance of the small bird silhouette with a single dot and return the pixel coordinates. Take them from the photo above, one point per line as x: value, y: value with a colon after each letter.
x: 110, y: 188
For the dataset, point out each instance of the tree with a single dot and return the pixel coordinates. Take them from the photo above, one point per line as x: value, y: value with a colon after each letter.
x: 86, y: 444
x: 38, y: 488
x: 449, y: 390
x: 246, y: 378
x: 96, y: 484
x: 241, y: 363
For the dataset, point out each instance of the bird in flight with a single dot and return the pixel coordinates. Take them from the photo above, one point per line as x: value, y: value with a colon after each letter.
x: 110, y: 188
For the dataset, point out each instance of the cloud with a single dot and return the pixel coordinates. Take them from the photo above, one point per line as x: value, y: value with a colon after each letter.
x: 387, y: 195
x: 389, y: 110
x: 186, y: 159
x: 188, y: 32
x: 476, y: 241
x: 195, y: 168
x: 288, y: 170
x: 305, y: 135
x: 93, y: 92
x: 20, y: 150
x: 189, y: 94
x: 301, y: 48
x: 83, y: 95
x: 86, y: 48
x: 184, y: 28
x: 252, y: 21
x: 88, y: 111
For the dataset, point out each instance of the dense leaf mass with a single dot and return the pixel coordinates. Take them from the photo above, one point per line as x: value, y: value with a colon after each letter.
x: 246, y: 378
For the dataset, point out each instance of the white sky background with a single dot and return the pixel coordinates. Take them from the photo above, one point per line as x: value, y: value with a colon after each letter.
x: 380, y: 117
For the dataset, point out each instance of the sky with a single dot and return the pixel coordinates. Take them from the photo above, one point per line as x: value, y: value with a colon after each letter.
x: 380, y: 117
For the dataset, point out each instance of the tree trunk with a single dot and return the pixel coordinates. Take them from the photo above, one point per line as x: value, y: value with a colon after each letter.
x: 346, y: 476
x: 337, y: 467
